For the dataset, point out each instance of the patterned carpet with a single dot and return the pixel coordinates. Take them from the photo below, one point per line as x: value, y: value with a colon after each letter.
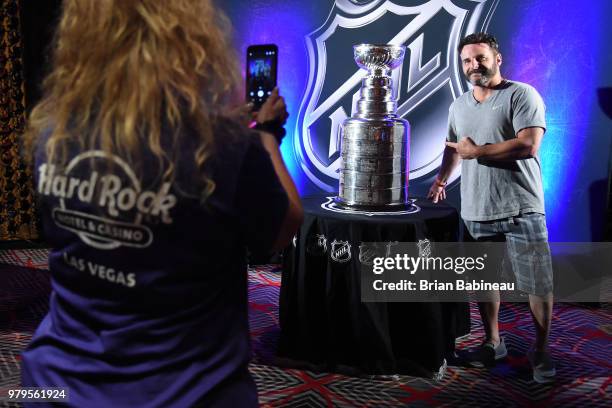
x: 581, y: 344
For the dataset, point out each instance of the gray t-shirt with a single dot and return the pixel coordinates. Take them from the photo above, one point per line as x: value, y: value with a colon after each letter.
x: 491, y: 189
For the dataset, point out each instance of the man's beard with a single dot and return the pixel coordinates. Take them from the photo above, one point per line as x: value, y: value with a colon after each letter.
x: 485, y: 75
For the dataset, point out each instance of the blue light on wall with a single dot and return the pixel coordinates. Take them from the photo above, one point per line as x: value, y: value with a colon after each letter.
x: 555, y: 49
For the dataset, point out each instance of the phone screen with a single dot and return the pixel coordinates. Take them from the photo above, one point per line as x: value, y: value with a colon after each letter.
x: 261, y: 73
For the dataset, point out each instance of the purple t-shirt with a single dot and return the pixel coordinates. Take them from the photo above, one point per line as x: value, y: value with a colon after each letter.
x: 149, y: 301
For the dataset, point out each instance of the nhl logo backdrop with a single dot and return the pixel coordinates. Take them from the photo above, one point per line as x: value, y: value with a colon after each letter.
x: 429, y: 80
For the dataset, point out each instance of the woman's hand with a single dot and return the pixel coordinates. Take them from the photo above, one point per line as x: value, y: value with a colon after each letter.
x: 242, y: 114
x: 273, y: 109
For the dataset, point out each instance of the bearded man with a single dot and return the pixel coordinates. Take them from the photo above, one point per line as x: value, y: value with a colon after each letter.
x: 495, y: 130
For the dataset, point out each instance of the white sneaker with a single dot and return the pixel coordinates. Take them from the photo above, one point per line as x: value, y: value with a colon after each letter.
x: 486, y: 354
x: 543, y: 366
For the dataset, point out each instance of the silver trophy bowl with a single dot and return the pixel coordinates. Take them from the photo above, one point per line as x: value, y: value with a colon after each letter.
x: 384, y: 57
x: 375, y: 142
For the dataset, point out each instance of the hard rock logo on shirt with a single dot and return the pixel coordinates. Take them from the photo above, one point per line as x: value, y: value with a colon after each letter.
x: 104, y: 208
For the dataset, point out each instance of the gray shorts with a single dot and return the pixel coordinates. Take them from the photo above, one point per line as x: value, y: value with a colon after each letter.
x: 527, y: 248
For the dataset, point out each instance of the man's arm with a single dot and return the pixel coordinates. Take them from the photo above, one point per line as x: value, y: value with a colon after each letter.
x: 450, y: 160
x: 524, y: 146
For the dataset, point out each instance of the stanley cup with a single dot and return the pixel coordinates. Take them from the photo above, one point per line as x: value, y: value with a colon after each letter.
x: 375, y: 142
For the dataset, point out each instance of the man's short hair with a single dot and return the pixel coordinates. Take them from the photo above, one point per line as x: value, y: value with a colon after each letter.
x: 478, y: 38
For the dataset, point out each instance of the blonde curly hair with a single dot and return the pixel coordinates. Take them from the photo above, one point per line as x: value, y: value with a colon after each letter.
x: 123, y: 69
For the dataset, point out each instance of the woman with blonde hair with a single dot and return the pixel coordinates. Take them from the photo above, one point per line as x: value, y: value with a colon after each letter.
x: 150, y: 195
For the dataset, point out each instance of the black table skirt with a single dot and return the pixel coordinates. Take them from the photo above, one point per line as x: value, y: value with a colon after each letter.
x: 323, y: 321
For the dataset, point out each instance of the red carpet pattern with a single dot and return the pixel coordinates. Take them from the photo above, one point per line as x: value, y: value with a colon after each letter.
x: 29, y: 258
x: 581, y: 348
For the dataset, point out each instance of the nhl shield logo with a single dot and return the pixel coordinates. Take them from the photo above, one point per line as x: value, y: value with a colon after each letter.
x: 316, y: 244
x: 429, y: 80
x: 370, y: 250
x: 424, y: 247
x: 340, y: 251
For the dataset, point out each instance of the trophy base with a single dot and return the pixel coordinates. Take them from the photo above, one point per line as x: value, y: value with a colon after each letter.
x: 347, y: 205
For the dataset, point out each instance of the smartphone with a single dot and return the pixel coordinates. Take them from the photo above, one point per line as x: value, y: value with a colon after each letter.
x: 261, y: 69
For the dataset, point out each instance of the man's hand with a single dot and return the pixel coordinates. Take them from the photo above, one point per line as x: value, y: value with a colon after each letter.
x: 466, y: 148
x: 437, y: 192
